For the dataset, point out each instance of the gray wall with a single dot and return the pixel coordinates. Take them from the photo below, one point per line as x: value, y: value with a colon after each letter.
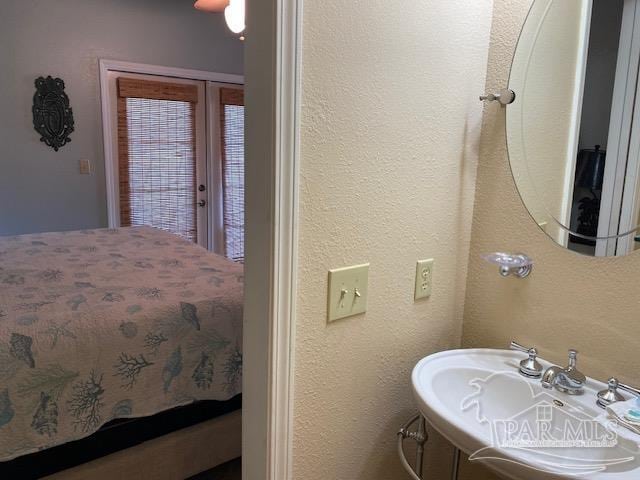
x: 42, y: 190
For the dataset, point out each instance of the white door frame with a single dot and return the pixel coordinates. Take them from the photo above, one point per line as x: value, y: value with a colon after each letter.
x: 576, y: 119
x: 272, y: 90
x: 624, y: 93
x: 629, y: 197
x: 109, y: 130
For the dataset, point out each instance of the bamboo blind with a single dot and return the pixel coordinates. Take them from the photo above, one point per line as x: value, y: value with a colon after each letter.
x: 232, y: 131
x: 157, y: 155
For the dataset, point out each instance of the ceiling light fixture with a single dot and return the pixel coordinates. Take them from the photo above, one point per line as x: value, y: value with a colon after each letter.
x: 233, y: 12
x: 234, y: 15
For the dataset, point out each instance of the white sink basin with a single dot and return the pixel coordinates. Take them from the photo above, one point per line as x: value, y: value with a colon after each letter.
x: 480, y: 403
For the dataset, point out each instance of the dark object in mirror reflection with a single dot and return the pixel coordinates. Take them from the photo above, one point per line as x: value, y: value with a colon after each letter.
x: 590, y: 168
x: 589, y: 175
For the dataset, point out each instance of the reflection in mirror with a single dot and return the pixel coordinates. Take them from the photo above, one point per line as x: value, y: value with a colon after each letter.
x: 573, y: 132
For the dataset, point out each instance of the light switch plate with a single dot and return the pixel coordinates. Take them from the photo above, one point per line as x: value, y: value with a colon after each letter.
x: 85, y: 167
x: 424, y: 279
x: 347, y: 293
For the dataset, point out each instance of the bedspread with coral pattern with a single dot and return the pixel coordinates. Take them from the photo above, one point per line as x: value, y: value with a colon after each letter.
x: 110, y: 323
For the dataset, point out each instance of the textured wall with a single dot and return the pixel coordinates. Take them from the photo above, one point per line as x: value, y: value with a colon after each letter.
x: 43, y: 190
x: 390, y: 120
x: 591, y: 304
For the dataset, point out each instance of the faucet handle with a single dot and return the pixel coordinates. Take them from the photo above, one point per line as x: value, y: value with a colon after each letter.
x: 520, y: 348
x: 529, y: 367
x: 633, y: 391
x: 611, y: 394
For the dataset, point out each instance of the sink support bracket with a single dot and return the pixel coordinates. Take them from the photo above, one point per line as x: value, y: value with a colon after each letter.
x: 420, y: 437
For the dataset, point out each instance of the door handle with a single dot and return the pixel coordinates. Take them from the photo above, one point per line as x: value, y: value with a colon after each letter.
x: 202, y: 188
x: 202, y: 203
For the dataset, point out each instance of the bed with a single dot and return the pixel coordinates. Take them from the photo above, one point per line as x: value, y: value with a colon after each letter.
x: 106, y: 324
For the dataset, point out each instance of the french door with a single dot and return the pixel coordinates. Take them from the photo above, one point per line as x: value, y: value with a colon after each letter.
x: 161, y: 153
x: 178, y: 158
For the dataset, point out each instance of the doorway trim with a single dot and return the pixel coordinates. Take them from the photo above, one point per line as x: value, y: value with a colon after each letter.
x: 110, y: 153
x: 272, y: 94
x: 620, y: 134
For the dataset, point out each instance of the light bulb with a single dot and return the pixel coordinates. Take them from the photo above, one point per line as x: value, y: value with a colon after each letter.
x: 234, y: 15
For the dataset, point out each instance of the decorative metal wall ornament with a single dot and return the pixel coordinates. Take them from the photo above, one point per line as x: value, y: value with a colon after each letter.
x: 52, y: 115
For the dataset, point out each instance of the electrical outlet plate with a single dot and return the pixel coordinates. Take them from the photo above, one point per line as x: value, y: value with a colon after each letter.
x: 347, y: 293
x: 424, y: 279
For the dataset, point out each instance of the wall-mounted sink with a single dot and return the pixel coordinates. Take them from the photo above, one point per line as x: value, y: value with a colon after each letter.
x: 482, y: 405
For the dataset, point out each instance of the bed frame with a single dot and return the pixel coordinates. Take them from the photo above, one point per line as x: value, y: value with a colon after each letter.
x: 171, y: 445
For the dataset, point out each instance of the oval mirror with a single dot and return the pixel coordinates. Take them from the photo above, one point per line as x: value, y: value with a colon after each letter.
x: 573, y: 132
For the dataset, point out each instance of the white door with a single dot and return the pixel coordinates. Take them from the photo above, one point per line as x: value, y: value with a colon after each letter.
x: 226, y: 152
x: 161, y: 146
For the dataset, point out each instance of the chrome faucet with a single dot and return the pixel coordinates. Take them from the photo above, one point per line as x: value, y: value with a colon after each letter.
x: 568, y: 379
